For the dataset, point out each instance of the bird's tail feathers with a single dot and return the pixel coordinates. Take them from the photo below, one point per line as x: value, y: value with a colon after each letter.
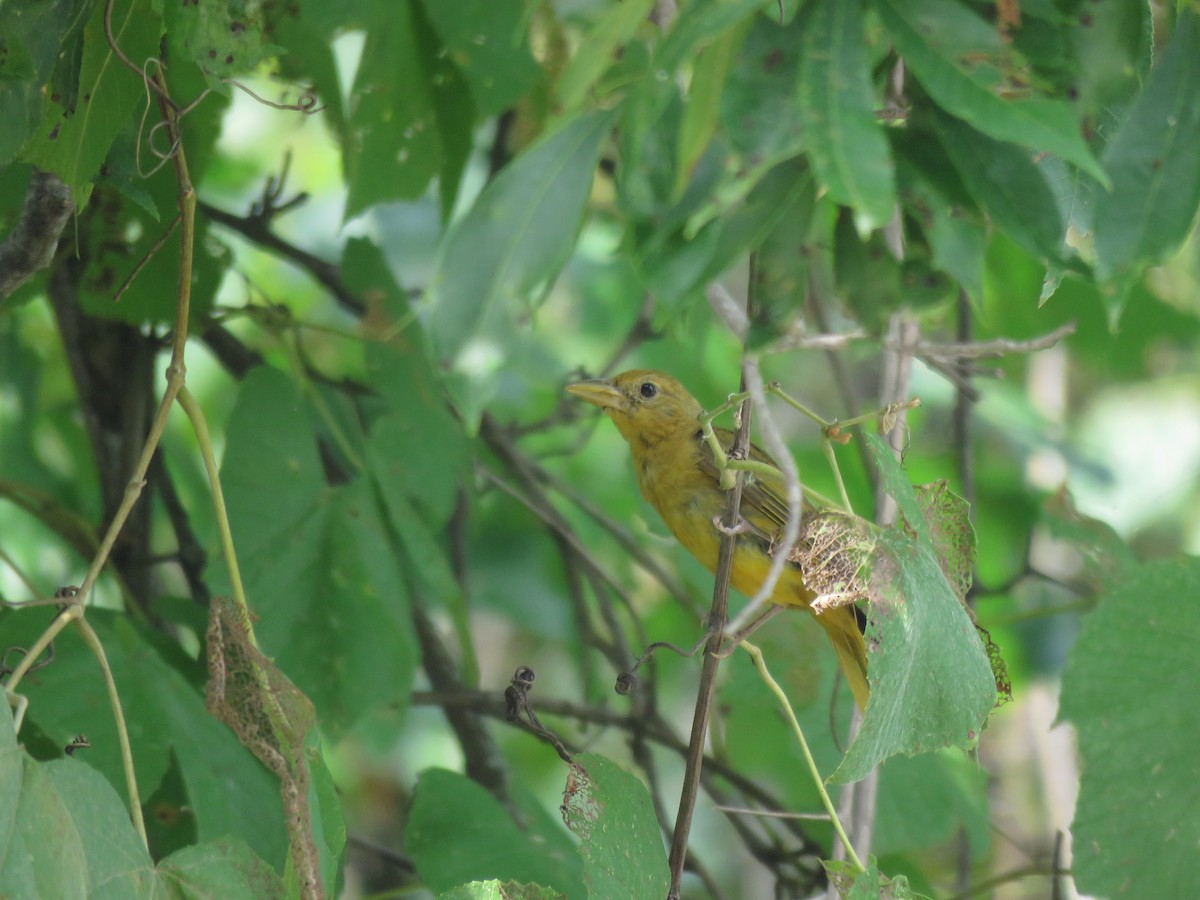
x: 841, y: 625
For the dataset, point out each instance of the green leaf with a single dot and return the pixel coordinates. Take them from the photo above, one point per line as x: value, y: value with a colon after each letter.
x: 1104, y: 556
x: 837, y: 105
x: 759, y: 116
x: 597, y: 49
x: 964, y: 64
x: 319, y: 567
x: 1003, y: 179
x: 395, y: 145
x: 73, y: 144
x: 489, y: 42
x: 866, y: 885
x: 701, y: 112
x: 33, y: 36
x: 931, y: 682
x: 1128, y: 688
x: 955, y: 234
x: 222, y: 38
x: 458, y: 833
x: 1108, y: 48
x: 676, y: 266
x: 308, y: 58
x: 164, y: 714
x: 498, y: 890
x: 67, y: 834
x: 704, y: 23
x: 613, y: 815
x: 456, y: 124
x: 72, y: 835
x: 420, y: 450
x: 222, y: 868
x: 925, y: 800
x: 507, y: 250
x: 1152, y: 162
x: 325, y: 807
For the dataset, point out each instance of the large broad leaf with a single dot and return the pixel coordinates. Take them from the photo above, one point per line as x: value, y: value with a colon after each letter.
x: 165, y: 716
x: 222, y: 38
x: 613, y: 815
x: 458, y: 833
x: 960, y: 59
x: 489, y: 43
x: 927, y: 799
x: 395, y: 144
x: 31, y: 40
x: 318, y: 563
x: 932, y: 685
x: 1108, y: 53
x: 65, y: 833
x: 493, y: 889
x: 72, y: 144
x: 1129, y: 690
x: 837, y: 104
x: 1152, y: 163
x: 506, y: 252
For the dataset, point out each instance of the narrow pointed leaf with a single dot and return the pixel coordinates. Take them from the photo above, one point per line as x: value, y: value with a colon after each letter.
x: 960, y: 60
x: 503, y: 255
x: 1153, y: 165
x: 837, y: 105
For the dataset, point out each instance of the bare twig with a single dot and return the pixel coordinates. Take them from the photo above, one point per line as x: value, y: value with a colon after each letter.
x: 797, y: 338
x: 963, y: 349
x: 655, y: 729
x: 257, y: 230
x: 989, y: 884
x: 145, y: 260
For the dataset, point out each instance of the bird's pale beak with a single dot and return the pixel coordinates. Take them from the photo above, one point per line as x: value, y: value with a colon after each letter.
x: 598, y: 392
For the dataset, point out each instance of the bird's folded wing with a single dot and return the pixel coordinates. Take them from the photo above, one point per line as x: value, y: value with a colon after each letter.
x: 764, y: 496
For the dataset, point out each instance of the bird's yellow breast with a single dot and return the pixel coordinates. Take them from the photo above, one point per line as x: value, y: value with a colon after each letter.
x: 691, y: 503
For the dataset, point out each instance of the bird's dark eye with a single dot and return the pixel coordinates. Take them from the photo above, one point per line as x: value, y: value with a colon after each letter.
x: 648, y: 389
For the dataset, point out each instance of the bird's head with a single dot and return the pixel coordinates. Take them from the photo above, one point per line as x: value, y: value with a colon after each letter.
x: 645, y: 405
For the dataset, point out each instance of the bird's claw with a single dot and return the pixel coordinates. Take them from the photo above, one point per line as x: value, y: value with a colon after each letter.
x: 742, y: 526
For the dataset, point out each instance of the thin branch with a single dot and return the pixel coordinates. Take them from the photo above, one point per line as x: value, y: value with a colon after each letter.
x: 257, y: 230
x: 761, y: 665
x: 624, y: 538
x: 146, y: 257
x: 798, y: 338
x: 30, y: 246
x: 712, y: 659
x: 151, y: 84
x: 484, y: 761
x: 655, y: 729
x: 191, y: 554
x: 988, y: 884
x: 963, y: 350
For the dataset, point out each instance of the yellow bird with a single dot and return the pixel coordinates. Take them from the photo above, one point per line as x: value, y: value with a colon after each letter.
x: 679, y: 476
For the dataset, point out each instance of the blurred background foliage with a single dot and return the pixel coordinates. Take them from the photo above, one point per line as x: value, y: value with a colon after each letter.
x: 426, y: 219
